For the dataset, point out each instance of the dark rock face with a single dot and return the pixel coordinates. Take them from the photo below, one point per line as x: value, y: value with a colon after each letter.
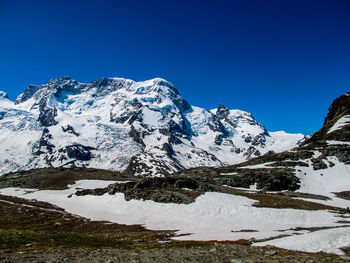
x: 215, y: 125
x: 105, y: 85
x: 222, y: 111
x: 70, y: 129
x: 218, y: 139
x: 44, y: 143
x: 345, y: 195
x: 78, y: 152
x: 47, y: 117
x: 168, y: 149
x: 65, y: 84
x: 318, y: 164
x: 28, y: 93
x: 96, y: 191
x: 133, y: 114
x: 339, y: 108
x: 252, y: 152
x: 164, y: 190
x: 136, y: 135
x: 266, y: 179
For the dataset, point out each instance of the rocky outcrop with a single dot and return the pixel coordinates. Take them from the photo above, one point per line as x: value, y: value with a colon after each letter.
x: 164, y: 190
x: 266, y: 179
x: 78, y: 152
x: 70, y: 129
x: 340, y: 107
x: 47, y: 117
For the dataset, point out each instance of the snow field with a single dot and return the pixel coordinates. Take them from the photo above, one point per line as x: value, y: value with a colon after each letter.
x: 213, y: 216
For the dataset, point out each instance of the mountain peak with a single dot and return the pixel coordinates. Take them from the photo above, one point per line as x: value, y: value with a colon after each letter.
x: 222, y: 111
x: 60, y: 79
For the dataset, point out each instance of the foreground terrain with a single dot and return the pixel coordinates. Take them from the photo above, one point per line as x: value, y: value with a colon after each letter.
x: 33, y: 231
x: 36, y: 231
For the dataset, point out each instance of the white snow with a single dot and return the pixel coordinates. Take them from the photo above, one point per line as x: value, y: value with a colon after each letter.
x: 328, y: 240
x: 343, y: 121
x: 213, y: 216
x: 285, y: 141
x: 337, y: 143
x: 151, y: 117
x: 92, y: 184
x: 326, y: 181
x: 257, y: 166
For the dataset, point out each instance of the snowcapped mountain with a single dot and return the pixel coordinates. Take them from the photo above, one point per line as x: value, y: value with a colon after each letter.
x: 320, y: 165
x: 145, y: 128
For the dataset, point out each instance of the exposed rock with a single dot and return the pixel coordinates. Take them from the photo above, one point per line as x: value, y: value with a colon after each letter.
x: 318, y: 164
x: 47, y: 117
x: 168, y: 149
x: 96, y: 191
x: 164, y: 190
x: 136, y: 135
x: 340, y: 107
x: 252, y: 152
x: 70, y: 129
x: 44, y: 143
x: 343, y: 194
x: 222, y: 111
x: 28, y: 93
x: 78, y: 152
x: 266, y: 179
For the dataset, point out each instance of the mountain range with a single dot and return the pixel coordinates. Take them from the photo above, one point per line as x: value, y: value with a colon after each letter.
x: 144, y: 128
x: 201, y: 167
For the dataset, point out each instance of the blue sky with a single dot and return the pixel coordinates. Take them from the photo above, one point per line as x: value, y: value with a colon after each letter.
x: 284, y: 61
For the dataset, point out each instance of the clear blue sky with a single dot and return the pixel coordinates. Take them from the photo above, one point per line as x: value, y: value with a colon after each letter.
x: 283, y: 60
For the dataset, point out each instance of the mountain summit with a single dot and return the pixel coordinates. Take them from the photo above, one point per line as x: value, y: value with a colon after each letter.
x: 145, y: 128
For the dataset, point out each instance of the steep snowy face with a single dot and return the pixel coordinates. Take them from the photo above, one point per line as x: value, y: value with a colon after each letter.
x: 145, y: 127
x: 19, y: 134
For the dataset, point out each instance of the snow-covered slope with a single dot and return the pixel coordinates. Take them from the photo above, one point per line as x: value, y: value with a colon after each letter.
x: 146, y: 128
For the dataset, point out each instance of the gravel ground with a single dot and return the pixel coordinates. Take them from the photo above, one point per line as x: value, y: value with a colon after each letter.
x: 232, y: 253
